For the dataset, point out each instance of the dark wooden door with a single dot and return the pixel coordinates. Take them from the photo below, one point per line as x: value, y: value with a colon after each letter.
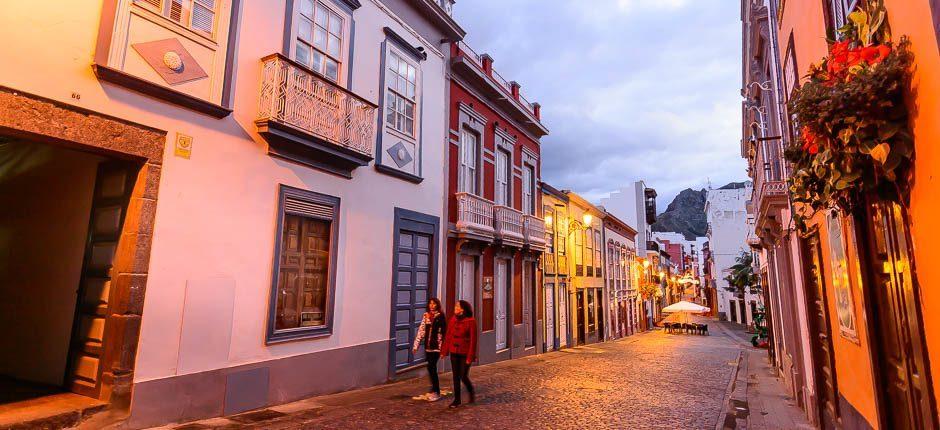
x: 528, y: 290
x: 412, y: 290
x: 906, y: 391
x: 580, y: 322
x: 113, y: 187
x: 820, y: 334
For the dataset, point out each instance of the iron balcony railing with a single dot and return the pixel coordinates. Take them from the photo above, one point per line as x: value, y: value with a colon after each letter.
x: 474, y: 213
x: 508, y: 224
x: 293, y: 95
x: 534, y: 231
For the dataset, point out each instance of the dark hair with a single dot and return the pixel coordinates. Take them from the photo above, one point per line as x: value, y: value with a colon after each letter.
x: 436, y: 301
x: 467, y: 309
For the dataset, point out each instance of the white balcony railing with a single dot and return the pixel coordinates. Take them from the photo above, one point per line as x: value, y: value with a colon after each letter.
x: 295, y: 96
x: 447, y: 5
x: 474, y: 214
x: 508, y: 224
x: 471, y: 54
x: 534, y: 228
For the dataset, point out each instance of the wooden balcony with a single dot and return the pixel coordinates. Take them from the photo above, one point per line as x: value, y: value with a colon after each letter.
x: 311, y: 120
x: 534, y: 228
x: 474, y: 217
x: 508, y: 225
x: 771, y: 198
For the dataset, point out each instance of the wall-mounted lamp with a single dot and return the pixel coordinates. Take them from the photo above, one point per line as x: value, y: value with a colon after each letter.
x: 587, y: 218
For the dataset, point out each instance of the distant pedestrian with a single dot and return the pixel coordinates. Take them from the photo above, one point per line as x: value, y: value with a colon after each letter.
x: 431, y: 337
x: 461, y: 344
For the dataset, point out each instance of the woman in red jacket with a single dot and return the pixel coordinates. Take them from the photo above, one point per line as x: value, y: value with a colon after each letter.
x: 460, y: 343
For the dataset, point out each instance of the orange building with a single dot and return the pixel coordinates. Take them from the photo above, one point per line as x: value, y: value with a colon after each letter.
x: 861, y: 281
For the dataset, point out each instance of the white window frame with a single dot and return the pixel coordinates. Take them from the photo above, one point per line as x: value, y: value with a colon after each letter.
x: 186, y: 13
x: 528, y: 189
x: 404, y: 90
x: 468, y: 170
x: 502, y: 177
x: 297, y: 39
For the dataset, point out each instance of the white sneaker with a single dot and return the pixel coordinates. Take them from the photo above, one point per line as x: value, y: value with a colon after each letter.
x: 422, y: 397
x: 433, y: 397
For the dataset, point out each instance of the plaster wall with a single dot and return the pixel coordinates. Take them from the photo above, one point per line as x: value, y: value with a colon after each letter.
x: 215, y: 222
x: 628, y: 205
x: 46, y: 195
x: 727, y: 217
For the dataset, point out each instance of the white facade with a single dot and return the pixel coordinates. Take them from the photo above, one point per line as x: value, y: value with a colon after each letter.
x: 726, y: 211
x: 629, y: 205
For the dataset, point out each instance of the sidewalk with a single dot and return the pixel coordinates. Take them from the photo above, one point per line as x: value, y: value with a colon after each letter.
x: 758, y: 399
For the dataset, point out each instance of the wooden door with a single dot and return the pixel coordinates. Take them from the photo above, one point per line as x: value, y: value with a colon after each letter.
x: 820, y: 334
x: 413, y: 272
x: 549, y: 317
x: 906, y: 391
x: 502, y: 290
x: 562, y: 314
x: 527, y: 302
x: 113, y: 187
x: 580, y: 321
x: 466, y: 279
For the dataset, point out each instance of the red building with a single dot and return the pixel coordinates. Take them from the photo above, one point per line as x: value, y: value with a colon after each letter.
x: 496, y: 233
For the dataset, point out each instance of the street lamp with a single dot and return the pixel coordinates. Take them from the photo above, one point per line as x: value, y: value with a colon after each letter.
x: 587, y: 218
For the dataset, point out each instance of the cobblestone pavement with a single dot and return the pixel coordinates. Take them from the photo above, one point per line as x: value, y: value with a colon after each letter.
x: 652, y: 380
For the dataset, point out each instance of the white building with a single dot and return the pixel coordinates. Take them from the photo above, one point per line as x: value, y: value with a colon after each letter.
x: 630, y: 205
x: 726, y: 211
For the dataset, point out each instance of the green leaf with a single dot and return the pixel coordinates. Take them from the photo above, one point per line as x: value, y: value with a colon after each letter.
x: 880, y: 152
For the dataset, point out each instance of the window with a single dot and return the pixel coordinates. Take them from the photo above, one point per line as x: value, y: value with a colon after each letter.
x: 588, y: 257
x: 401, y: 99
x: 319, y: 44
x: 305, y: 249
x: 503, y: 174
x: 598, y: 257
x: 579, y: 253
x: 561, y: 239
x: 528, y: 190
x: 549, y: 260
x: 469, y: 154
x: 196, y: 15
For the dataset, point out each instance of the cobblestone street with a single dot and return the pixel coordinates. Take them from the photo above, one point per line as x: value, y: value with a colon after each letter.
x: 652, y: 380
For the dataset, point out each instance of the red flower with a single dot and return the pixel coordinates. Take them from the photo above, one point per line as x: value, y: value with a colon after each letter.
x: 838, y: 48
x: 814, y: 149
x: 808, y: 137
x: 875, y: 54
x: 853, y: 57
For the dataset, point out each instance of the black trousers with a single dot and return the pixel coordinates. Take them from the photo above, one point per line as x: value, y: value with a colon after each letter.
x: 432, y: 358
x: 461, y: 370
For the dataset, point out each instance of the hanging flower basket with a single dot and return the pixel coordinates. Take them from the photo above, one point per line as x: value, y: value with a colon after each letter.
x: 854, y: 137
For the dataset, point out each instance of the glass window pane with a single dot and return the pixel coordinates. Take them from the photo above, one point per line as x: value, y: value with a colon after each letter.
x: 411, y: 73
x: 322, y: 14
x: 317, y: 63
x: 409, y: 126
x: 336, y: 24
x: 401, y: 85
x: 319, y: 38
x: 303, y: 54
x: 306, y: 8
x: 403, y: 68
x: 305, y: 29
x: 334, y: 46
x: 392, y: 64
x: 409, y: 110
x: 303, y: 273
x: 389, y: 107
x: 411, y: 91
x: 332, y: 69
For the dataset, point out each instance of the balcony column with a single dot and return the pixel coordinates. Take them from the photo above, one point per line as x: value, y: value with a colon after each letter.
x: 487, y: 64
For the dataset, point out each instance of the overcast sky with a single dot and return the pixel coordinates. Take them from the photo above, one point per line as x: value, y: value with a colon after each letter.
x: 630, y: 89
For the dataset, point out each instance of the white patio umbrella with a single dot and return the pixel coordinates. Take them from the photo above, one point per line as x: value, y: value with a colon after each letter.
x: 685, y: 306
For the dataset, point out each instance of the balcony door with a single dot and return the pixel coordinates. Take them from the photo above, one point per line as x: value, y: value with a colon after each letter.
x: 549, y: 316
x: 467, y: 175
x: 502, y: 289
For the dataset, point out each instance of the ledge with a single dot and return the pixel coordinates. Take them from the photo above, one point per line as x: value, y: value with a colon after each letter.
x: 296, y: 145
x: 157, y: 91
x: 381, y: 168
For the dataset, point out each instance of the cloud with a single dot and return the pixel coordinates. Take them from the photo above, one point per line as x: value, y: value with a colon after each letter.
x: 630, y: 89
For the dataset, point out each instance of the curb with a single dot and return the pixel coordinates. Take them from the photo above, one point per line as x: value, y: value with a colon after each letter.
x: 727, y: 418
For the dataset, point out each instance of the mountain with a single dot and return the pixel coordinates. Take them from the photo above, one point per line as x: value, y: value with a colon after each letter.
x: 686, y: 215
